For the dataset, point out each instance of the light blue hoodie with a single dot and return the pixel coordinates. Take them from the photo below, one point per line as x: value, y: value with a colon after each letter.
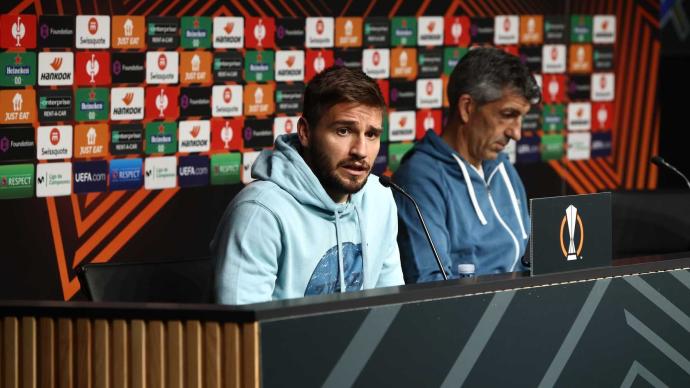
x: 474, y: 220
x: 283, y: 237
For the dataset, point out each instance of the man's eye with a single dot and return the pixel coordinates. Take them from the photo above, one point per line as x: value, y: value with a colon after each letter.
x: 373, y: 134
x: 342, y: 131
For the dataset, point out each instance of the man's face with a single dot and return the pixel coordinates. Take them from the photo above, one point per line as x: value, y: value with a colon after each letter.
x: 342, y: 146
x: 491, y: 126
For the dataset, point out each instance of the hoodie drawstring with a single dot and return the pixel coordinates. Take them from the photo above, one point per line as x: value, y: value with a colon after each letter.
x: 341, y: 267
x: 363, y: 234
x: 470, y: 189
x: 513, y: 198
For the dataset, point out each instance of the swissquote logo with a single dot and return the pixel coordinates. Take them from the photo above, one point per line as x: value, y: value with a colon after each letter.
x: 319, y: 32
x: 284, y: 125
x: 506, y: 29
x: 553, y: 58
x: 55, y: 68
x: 54, y: 142
x: 429, y: 93
x: 576, y: 232
x: 93, y: 31
x: 375, y: 63
x: 162, y: 67
x: 226, y: 100
x: 603, y: 86
x: 127, y: 104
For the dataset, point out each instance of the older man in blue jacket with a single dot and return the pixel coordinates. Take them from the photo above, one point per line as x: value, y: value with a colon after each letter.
x: 470, y: 194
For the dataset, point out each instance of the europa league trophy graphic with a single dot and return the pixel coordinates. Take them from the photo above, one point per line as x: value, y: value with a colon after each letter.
x: 161, y: 103
x: 226, y: 135
x: 92, y: 68
x: 571, y: 218
x: 18, y: 31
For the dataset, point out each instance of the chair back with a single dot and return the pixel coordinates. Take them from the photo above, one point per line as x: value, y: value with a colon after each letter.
x: 178, y: 281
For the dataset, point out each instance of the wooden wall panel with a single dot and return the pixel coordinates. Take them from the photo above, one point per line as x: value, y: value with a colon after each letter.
x: 101, y: 354
x: 10, y: 354
x: 156, y: 355
x: 193, y: 361
x: 138, y: 346
x: 175, y: 355
x: 28, y: 349
x: 250, y: 355
x: 212, y: 355
x: 232, y: 343
x: 65, y: 351
x: 83, y: 352
x: 46, y: 353
x: 83, y: 361
x: 120, y: 354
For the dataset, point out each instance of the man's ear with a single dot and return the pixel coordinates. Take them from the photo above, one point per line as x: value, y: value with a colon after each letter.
x: 303, y: 132
x: 466, y: 106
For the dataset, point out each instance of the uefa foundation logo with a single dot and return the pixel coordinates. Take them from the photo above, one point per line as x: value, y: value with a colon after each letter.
x: 574, y: 222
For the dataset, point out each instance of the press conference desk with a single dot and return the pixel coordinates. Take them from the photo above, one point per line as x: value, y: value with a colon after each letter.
x: 612, y: 326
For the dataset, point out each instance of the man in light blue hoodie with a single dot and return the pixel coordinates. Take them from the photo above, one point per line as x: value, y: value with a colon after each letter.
x: 469, y: 193
x: 312, y: 223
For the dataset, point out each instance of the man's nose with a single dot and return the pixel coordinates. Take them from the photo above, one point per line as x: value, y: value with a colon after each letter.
x: 359, y: 146
x: 514, y: 131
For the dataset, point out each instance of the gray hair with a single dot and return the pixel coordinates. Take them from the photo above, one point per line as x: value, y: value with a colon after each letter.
x: 486, y: 72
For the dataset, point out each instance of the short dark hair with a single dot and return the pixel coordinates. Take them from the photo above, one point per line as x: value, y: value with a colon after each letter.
x: 484, y: 73
x: 336, y: 85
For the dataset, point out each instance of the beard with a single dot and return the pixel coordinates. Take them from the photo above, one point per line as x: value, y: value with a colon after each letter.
x: 329, y: 178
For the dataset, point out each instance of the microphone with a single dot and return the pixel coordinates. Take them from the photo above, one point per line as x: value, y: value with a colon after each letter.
x: 387, y: 182
x: 659, y: 161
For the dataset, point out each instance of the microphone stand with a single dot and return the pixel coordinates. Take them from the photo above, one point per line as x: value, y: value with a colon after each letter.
x: 386, y: 182
x: 659, y: 161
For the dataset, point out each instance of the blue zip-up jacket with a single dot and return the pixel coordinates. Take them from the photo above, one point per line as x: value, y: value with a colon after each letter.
x: 283, y: 237
x: 471, y: 220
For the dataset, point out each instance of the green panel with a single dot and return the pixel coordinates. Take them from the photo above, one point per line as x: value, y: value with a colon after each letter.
x: 17, y: 181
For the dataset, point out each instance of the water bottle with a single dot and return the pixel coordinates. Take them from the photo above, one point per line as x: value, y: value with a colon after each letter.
x: 466, y: 270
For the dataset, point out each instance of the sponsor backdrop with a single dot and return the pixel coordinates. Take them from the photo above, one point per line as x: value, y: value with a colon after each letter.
x: 126, y: 130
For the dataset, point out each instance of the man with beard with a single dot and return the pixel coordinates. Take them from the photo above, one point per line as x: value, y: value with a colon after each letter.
x: 312, y: 223
x: 471, y: 196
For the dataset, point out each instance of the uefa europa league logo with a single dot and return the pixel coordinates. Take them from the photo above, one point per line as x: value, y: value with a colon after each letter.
x: 573, y: 220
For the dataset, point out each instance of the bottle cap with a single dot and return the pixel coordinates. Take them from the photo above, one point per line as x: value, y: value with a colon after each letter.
x: 466, y: 268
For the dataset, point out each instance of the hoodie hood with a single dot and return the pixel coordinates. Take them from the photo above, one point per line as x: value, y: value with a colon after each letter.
x: 437, y: 148
x: 285, y: 167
